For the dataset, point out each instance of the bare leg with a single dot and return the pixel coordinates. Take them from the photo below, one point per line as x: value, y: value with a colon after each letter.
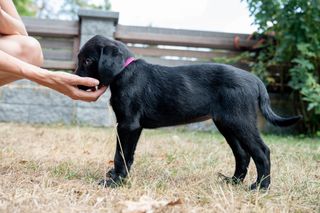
x: 24, y: 48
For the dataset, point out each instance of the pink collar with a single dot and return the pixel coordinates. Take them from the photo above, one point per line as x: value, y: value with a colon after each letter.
x: 128, y: 61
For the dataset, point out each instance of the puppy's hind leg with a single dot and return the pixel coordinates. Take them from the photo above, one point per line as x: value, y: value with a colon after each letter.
x: 242, y: 157
x: 249, y: 137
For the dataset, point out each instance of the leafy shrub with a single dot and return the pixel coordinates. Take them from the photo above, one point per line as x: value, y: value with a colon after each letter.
x: 295, y: 44
x: 25, y: 7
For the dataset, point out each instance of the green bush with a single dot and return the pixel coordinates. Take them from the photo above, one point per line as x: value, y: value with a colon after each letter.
x: 295, y: 44
x: 24, y: 7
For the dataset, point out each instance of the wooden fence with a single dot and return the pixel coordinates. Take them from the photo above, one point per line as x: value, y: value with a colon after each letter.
x: 172, y: 46
x: 61, y: 41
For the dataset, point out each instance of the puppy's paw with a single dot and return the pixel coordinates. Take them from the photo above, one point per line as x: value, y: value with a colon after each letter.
x: 110, y: 183
x: 260, y: 187
x: 230, y: 180
x: 112, y: 180
x: 111, y: 173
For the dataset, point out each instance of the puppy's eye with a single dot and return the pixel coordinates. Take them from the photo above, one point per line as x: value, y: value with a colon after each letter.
x: 88, y: 61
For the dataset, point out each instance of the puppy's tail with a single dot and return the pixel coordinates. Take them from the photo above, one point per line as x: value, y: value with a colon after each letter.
x: 264, y: 105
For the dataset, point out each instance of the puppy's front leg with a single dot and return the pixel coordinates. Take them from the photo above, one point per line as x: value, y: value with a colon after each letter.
x: 126, y: 144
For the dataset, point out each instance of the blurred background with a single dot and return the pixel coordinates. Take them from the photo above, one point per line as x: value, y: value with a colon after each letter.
x: 211, y: 15
x: 277, y: 40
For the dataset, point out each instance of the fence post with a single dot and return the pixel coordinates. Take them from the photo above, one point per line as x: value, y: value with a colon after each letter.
x: 96, y: 22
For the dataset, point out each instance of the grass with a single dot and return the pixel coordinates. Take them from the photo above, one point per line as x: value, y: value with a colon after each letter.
x: 56, y: 168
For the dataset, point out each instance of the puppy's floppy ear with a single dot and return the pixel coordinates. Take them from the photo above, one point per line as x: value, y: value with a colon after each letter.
x: 110, y: 64
x: 103, y: 74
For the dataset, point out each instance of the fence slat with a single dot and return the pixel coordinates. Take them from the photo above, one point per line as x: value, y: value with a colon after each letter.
x: 54, y: 43
x: 159, y: 36
x: 171, y: 31
x: 47, y: 27
x: 58, y: 54
x: 158, y: 52
x: 166, y: 62
x: 59, y: 65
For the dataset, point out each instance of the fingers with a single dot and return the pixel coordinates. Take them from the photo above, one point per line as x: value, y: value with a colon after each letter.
x: 67, y: 83
x: 88, y: 96
x: 85, y: 81
x: 77, y: 80
x: 101, y: 90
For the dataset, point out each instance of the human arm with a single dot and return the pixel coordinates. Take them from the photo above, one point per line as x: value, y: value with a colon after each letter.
x: 62, y: 82
x: 10, y: 21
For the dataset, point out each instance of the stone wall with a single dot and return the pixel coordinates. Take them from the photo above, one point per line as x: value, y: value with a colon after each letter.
x: 25, y: 101
x: 95, y: 22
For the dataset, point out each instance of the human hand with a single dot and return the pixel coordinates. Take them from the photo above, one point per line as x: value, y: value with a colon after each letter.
x: 67, y: 83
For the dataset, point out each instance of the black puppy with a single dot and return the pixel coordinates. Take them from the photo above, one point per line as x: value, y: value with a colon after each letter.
x: 144, y: 95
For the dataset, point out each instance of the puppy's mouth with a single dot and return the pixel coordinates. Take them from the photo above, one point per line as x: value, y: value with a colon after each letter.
x: 91, y: 89
x: 85, y: 88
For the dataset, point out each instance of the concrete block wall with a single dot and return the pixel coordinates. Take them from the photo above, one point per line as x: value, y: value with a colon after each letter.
x: 28, y: 102
x: 25, y: 101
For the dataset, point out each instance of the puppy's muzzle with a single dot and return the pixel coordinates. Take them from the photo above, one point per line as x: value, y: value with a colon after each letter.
x: 85, y: 88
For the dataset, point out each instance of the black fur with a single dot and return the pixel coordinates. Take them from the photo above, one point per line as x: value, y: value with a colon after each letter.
x: 144, y: 95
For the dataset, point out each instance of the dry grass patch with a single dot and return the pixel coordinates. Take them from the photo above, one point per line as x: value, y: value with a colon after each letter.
x: 56, y: 168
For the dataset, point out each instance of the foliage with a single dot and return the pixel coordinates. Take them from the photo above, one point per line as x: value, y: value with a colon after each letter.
x: 295, y: 44
x: 72, y: 6
x: 24, y: 7
x: 68, y: 9
x: 232, y: 60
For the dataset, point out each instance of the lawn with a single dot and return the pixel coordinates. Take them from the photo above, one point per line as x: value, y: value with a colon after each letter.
x: 56, y: 168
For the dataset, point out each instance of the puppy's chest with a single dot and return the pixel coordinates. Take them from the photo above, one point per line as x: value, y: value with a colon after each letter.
x: 125, y: 103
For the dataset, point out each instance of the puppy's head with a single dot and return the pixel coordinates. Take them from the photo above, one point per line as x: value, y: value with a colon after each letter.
x: 101, y: 58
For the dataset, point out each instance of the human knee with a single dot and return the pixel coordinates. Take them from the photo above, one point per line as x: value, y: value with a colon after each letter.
x: 31, y: 52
